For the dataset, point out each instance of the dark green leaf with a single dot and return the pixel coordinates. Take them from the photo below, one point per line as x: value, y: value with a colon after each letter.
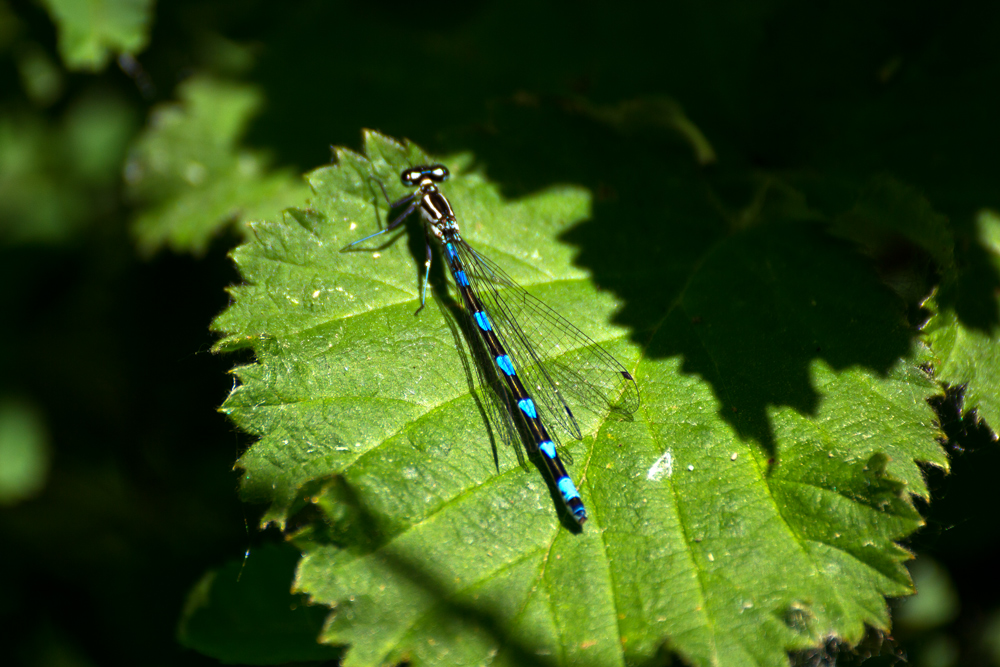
x: 244, y: 613
x: 887, y: 207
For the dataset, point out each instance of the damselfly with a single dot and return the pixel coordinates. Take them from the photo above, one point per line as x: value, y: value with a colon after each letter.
x: 556, y: 360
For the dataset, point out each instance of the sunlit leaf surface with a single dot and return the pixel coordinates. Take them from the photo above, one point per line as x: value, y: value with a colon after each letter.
x: 729, y: 529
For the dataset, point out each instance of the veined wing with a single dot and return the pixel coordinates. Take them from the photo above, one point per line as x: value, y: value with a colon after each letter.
x: 495, y: 400
x: 561, y: 366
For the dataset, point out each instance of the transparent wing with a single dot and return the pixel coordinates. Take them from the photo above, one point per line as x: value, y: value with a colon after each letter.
x: 495, y: 398
x: 559, y: 365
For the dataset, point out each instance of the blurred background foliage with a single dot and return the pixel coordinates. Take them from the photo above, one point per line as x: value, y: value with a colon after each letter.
x: 133, y: 135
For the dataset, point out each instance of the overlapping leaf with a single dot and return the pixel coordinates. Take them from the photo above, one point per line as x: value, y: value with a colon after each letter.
x: 964, y: 353
x: 190, y: 175
x: 91, y: 31
x: 749, y: 508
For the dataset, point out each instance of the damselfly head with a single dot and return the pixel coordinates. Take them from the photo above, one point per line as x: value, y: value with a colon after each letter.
x: 431, y: 172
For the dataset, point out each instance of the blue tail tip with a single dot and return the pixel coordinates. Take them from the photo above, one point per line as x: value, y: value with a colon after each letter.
x: 578, y: 510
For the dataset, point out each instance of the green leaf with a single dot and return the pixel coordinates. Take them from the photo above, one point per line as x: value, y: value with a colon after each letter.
x: 967, y: 349
x: 41, y: 78
x: 750, y: 507
x: 190, y: 175
x: 244, y: 612
x: 889, y: 207
x: 56, y: 179
x: 24, y: 450
x: 91, y: 30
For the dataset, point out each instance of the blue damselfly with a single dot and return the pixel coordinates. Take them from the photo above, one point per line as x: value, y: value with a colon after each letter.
x: 556, y: 360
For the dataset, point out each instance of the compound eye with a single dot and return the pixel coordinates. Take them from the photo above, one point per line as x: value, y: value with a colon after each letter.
x: 410, y: 177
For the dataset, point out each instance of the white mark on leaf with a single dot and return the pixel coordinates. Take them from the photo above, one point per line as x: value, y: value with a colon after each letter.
x: 662, y: 467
